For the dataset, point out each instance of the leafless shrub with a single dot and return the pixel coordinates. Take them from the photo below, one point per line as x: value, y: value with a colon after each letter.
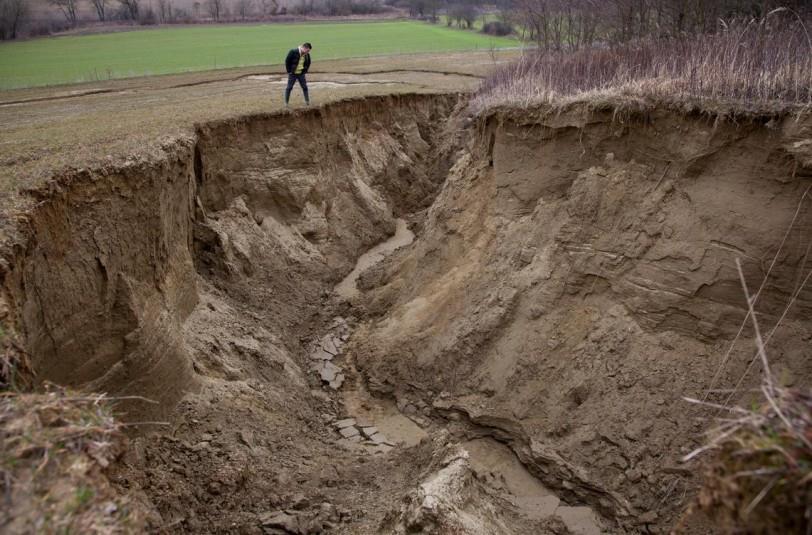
x: 39, y: 28
x: 269, y: 7
x: 336, y: 8
x: 215, y: 8
x: 751, y: 64
x: 67, y: 8
x: 147, y: 17
x: 559, y: 24
x: 129, y: 9
x: 497, y: 27
x: 759, y: 479
x: 243, y: 8
x: 165, y: 11
x: 13, y: 14
x: 100, y: 6
x: 463, y: 14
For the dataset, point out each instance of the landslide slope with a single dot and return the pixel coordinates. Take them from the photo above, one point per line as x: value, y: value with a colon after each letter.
x: 198, y: 279
x: 576, y: 278
x: 573, y: 276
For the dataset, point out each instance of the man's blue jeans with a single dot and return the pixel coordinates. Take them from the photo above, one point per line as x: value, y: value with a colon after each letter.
x: 292, y: 78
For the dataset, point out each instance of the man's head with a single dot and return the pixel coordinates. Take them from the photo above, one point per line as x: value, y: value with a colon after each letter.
x: 305, y: 48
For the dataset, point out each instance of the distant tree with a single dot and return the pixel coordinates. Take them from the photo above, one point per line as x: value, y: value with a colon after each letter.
x: 469, y: 15
x: 269, y: 7
x: 215, y: 8
x: 417, y: 8
x: 100, y: 7
x: 130, y: 8
x: 165, y: 11
x: 463, y: 14
x: 147, y: 16
x: 337, y: 8
x: 453, y: 15
x: 570, y: 24
x: 433, y: 9
x: 68, y: 8
x: 243, y: 8
x: 13, y: 14
x: 304, y: 7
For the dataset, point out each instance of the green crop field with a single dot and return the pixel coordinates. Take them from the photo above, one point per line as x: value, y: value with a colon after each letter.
x: 73, y: 59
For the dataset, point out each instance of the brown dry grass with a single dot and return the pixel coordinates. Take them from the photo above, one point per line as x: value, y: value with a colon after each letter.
x: 756, y: 66
x: 55, y: 447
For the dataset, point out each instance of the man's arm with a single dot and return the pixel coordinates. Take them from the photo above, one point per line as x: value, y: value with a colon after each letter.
x: 306, y: 65
x: 289, y: 61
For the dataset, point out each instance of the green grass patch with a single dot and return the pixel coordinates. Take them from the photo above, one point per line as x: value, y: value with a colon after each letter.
x: 82, y: 497
x: 75, y: 59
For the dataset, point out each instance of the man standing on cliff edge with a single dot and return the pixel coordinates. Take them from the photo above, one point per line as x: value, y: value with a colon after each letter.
x: 297, y: 63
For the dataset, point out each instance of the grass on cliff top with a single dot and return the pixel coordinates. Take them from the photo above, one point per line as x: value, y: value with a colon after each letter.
x: 45, y: 131
x: 73, y: 59
x: 751, y: 66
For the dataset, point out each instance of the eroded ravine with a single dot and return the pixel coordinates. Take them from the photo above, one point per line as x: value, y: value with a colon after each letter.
x: 520, y: 361
x: 348, y: 287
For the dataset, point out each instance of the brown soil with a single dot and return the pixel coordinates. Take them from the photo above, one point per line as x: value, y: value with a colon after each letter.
x: 572, y: 276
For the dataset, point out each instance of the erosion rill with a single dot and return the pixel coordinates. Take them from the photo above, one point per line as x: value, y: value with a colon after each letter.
x: 517, y: 368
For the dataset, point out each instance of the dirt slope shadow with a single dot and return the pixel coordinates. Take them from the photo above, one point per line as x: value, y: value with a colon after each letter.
x: 515, y: 369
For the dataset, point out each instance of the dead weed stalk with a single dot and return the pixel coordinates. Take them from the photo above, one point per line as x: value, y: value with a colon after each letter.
x: 760, y: 480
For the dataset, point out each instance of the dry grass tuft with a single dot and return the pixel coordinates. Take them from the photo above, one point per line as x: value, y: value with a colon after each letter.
x: 55, y: 447
x: 757, y: 66
x: 15, y: 369
x: 760, y: 480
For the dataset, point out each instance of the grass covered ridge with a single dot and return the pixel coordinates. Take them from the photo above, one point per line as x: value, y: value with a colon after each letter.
x: 749, y: 66
x: 85, y: 58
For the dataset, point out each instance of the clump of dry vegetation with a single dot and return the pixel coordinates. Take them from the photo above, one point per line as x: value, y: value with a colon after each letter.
x: 763, y: 475
x: 15, y: 370
x: 55, y: 447
x: 760, y: 478
x: 759, y: 65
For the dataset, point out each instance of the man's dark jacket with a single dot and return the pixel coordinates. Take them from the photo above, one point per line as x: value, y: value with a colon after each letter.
x: 292, y: 61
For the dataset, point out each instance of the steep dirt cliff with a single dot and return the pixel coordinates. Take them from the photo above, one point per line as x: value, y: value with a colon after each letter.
x: 517, y: 368
x: 576, y: 278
